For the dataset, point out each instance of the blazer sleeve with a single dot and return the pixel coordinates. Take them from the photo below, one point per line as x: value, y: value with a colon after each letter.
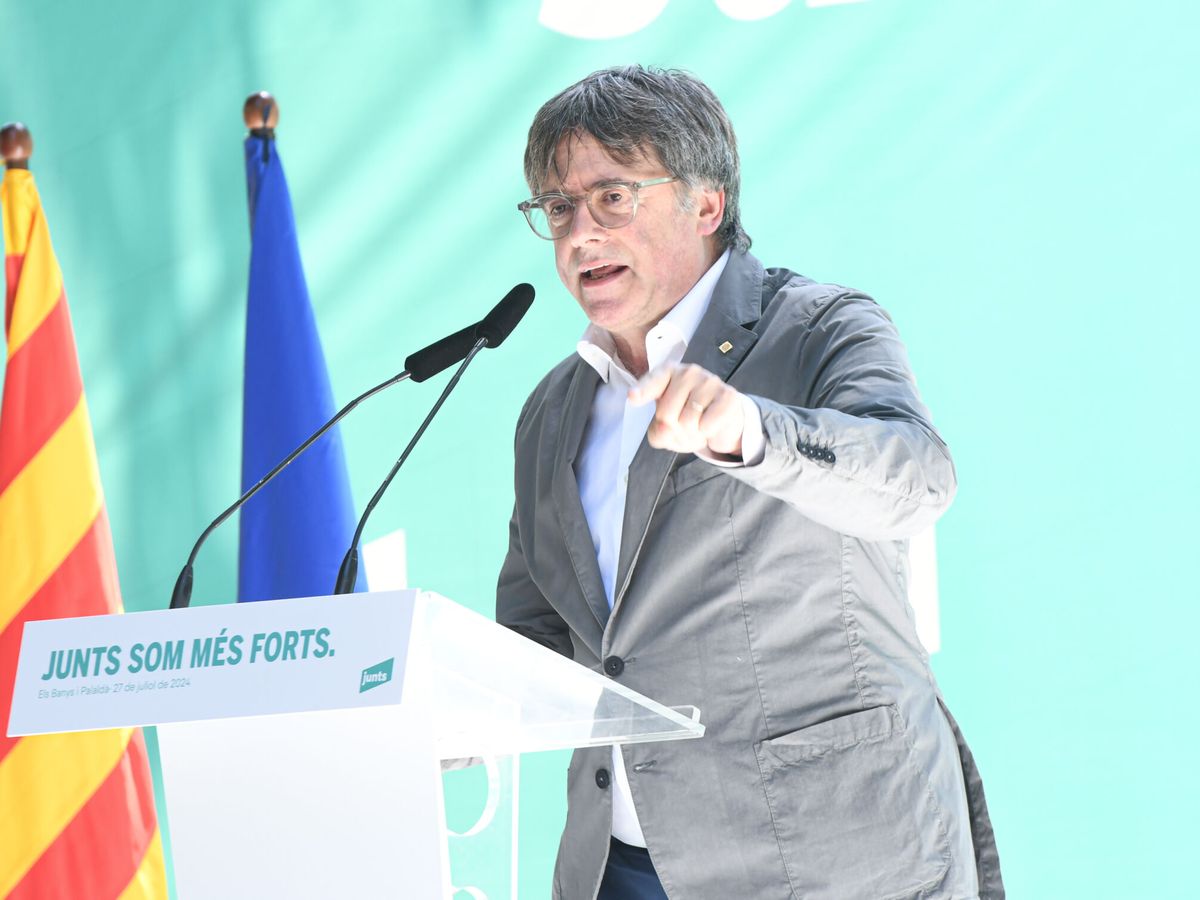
x: 520, y: 604
x: 860, y: 455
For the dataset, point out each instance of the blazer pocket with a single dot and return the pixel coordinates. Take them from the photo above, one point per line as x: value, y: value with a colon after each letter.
x: 854, y: 816
x: 691, y: 473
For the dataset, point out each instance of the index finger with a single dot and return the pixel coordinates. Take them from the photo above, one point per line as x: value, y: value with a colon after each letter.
x: 650, y: 386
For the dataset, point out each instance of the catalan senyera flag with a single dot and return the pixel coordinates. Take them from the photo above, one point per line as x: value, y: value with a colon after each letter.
x: 76, y: 810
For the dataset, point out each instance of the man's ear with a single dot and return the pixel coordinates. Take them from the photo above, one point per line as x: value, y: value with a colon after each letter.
x: 710, y: 209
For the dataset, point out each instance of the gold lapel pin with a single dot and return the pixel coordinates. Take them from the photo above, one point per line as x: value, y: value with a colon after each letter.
x: 725, y: 347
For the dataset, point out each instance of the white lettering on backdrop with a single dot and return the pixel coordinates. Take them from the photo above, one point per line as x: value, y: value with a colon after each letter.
x: 619, y: 18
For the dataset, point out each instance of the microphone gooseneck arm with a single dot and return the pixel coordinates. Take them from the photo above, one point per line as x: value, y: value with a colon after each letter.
x: 182, y: 594
x: 490, y: 331
x: 348, y: 572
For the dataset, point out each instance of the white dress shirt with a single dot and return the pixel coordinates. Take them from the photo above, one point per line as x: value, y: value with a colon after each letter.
x: 614, y: 431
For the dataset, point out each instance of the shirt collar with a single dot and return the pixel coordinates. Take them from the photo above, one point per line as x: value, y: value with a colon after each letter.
x: 678, y: 326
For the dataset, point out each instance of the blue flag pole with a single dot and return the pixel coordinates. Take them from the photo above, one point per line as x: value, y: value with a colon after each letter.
x: 294, y: 533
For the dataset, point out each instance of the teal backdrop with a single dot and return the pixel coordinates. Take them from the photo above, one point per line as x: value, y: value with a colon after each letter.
x: 1017, y: 182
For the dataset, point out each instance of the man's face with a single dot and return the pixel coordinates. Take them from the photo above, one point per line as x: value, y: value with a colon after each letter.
x: 626, y: 279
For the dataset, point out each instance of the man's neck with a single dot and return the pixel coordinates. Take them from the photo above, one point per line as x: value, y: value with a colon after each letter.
x: 631, y: 348
x: 633, y: 354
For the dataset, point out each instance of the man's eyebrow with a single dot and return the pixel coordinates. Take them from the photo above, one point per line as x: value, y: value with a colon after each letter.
x: 617, y: 180
x: 599, y: 182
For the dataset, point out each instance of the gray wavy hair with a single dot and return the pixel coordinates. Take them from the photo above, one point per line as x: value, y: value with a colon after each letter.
x: 637, y: 113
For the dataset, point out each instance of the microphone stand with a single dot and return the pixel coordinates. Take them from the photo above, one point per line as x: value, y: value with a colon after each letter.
x: 490, y: 331
x: 349, y: 569
x: 182, y: 594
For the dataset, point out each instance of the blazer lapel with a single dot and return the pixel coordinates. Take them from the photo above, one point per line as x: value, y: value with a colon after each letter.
x: 565, y: 490
x: 720, y: 343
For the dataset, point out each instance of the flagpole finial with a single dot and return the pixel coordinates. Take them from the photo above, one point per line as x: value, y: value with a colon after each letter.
x: 261, y: 113
x: 16, y: 145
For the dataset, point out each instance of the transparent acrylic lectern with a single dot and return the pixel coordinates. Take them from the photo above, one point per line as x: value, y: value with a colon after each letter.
x: 496, y: 695
x: 322, y: 776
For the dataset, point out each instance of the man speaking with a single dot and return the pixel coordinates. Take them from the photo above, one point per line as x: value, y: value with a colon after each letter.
x: 713, y: 496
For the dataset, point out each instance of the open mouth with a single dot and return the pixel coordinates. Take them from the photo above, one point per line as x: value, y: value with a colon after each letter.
x: 602, y: 274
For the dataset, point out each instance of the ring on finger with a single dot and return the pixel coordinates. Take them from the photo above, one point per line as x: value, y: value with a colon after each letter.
x: 696, y: 405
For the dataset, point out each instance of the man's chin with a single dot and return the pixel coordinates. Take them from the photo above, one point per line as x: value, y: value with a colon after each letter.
x: 602, y: 312
x: 611, y: 314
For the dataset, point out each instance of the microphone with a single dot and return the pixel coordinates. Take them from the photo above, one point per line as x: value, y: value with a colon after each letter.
x: 499, y: 323
x: 491, y: 331
x: 418, y: 367
x: 495, y: 326
x: 441, y: 354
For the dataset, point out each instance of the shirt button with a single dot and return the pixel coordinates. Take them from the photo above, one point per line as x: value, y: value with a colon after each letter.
x: 614, y: 666
x: 602, y: 779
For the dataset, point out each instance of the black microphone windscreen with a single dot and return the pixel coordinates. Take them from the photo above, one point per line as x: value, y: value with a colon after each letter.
x: 499, y: 323
x: 441, y: 354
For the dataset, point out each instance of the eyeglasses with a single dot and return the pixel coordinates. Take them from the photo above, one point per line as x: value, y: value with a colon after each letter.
x: 612, y: 205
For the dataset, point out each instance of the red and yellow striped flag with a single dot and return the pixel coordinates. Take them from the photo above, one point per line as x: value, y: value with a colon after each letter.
x: 76, y: 810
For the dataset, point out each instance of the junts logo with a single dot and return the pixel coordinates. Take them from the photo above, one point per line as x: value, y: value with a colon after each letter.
x: 374, y: 676
x: 618, y: 18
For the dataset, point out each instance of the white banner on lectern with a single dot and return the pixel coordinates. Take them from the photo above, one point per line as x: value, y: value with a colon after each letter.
x: 243, y: 659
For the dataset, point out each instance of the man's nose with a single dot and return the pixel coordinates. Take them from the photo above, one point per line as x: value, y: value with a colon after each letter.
x: 584, y: 226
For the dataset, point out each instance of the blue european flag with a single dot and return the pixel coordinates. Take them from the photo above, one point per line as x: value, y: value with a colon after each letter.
x: 296, y: 530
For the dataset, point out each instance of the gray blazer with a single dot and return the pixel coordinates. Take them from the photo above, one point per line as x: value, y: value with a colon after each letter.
x: 773, y: 598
